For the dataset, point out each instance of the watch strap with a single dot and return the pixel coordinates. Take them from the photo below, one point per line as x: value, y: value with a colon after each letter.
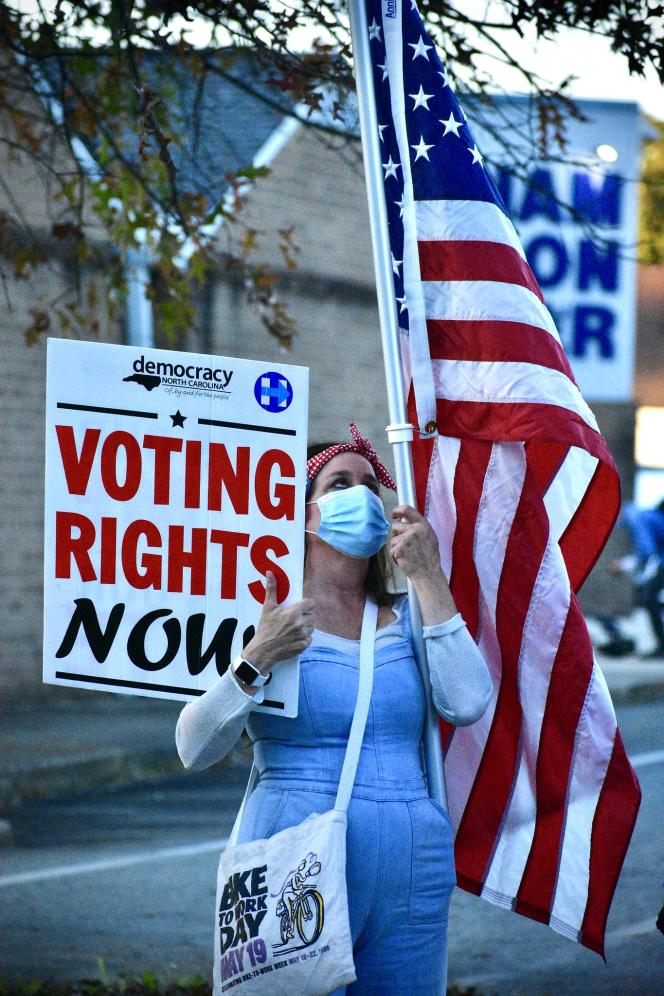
x: 249, y: 673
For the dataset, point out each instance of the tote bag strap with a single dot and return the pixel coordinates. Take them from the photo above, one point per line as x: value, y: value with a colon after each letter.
x: 367, y: 641
x: 251, y: 784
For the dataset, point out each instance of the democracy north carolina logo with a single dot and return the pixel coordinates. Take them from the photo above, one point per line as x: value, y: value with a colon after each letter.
x: 153, y: 373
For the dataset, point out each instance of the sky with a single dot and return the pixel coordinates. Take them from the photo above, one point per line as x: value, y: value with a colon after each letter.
x: 601, y: 73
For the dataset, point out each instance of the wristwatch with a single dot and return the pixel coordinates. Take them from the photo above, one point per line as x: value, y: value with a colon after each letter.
x: 248, y: 673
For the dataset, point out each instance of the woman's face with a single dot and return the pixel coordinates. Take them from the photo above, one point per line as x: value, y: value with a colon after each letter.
x: 345, y: 470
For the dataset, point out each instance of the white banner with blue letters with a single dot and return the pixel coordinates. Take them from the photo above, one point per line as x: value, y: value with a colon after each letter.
x: 577, y: 221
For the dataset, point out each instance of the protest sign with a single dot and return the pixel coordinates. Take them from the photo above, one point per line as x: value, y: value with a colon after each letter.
x: 174, y: 482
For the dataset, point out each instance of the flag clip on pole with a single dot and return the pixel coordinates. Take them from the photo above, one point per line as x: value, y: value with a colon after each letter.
x: 400, y: 431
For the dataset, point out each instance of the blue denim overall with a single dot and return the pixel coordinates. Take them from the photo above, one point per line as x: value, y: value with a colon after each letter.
x: 400, y: 864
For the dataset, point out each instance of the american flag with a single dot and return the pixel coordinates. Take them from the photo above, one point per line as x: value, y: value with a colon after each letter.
x: 522, y: 492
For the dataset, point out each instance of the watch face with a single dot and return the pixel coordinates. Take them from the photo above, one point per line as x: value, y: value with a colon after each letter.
x: 246, y: 672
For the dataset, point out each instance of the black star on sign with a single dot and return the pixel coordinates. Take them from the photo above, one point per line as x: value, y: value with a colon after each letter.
x: 178, y: 419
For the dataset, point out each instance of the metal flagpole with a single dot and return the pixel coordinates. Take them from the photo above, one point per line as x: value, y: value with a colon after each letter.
x: 399, y: 431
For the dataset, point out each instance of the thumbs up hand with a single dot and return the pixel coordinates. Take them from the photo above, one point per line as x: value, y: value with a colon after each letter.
x: 283, y: 630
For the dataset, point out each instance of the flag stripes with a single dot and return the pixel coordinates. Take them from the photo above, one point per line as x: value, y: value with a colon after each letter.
x: 475, y: 260
x: 617, y: 806
x: 511, y: 420
x: 495, y: 341
x: 480, y: 826
x: 456, y: 220
x: 483, y: 300
x: 591, y: 523
x: 467, y: 491
x: 567, y: 692
x: 544, y: 623
x: 593, y: 747
x: 488, y: 381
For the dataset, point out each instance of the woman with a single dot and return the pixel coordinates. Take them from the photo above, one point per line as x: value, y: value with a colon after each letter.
x: 400, y: 868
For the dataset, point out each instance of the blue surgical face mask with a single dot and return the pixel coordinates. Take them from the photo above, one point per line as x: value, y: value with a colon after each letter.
x: 352, y: 521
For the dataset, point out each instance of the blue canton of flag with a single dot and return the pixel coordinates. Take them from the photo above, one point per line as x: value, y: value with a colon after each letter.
x: 418, y: 109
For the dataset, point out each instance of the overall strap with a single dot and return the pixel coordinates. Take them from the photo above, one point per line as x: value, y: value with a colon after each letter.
x: 367, y: 641
x: 404, y: 615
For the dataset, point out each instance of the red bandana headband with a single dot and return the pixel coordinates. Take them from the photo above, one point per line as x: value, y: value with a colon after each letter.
x: 359, y: 445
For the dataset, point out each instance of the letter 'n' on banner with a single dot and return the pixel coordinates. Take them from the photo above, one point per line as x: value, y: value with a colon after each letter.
x: 174, y: 482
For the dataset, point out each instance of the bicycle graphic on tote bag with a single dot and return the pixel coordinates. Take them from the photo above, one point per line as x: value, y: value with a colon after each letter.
x: 300, y: 907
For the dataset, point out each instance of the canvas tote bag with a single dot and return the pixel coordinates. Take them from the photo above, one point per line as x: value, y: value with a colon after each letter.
x: 281, y: 914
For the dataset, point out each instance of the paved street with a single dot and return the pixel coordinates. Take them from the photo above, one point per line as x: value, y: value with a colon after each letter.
x: 129, y: 878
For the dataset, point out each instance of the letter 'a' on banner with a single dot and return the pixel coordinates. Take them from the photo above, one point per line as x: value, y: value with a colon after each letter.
x: 174, y: 482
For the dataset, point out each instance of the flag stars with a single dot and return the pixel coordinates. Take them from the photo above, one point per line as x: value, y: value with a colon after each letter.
x: 451, y: 125
x: 421, y: 99
x: 401, y: 301
x: 381, y: 129
x: 396, y: 263
x: 420, y: 48
x: 444, y: 77
x: 400, y: 205
x: 422, y: 149
x: 374, y: 31
x: 476, y: 154
x: 391, y: 168
x: 383, y: 68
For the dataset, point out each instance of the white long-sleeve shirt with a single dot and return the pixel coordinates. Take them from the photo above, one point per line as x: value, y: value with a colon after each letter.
x: 461, y: 688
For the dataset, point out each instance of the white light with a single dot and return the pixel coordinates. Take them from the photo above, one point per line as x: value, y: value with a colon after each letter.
x: 649, y: 432
x: 607, y: 153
